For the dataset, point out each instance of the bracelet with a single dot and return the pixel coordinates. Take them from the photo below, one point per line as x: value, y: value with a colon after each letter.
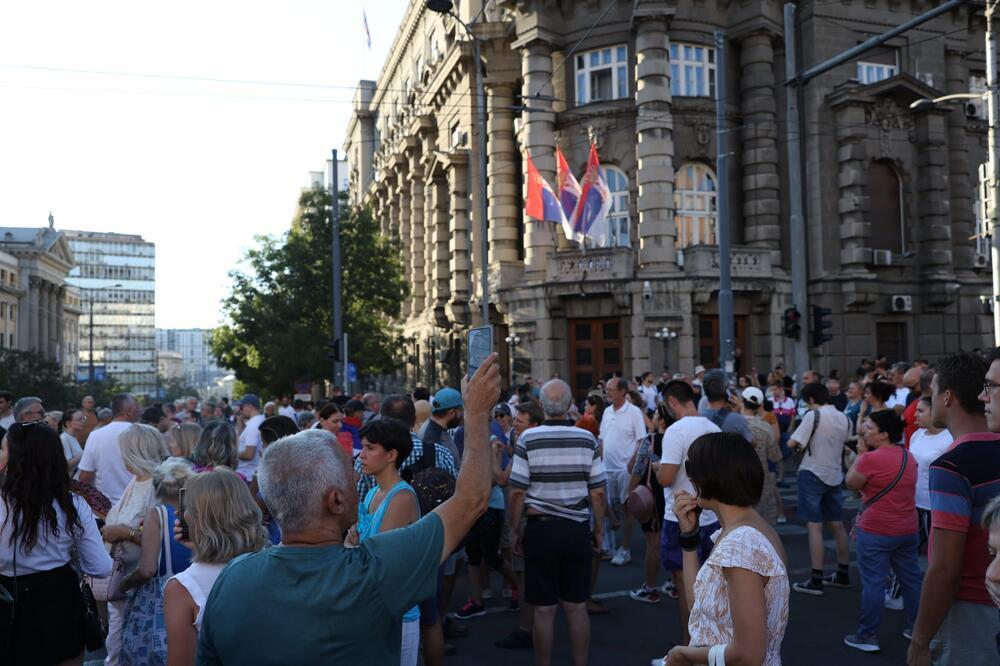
x: 690, y: 541
x: 132, y: 533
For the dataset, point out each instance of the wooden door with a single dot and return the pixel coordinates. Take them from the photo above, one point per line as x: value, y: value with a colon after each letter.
x: 709, y: 347
x: 595, y: 352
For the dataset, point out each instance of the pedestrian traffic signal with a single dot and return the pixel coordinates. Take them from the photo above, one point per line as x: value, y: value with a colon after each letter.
x: 336, y: 350
x: 820, y: 322
x: 792, y: 323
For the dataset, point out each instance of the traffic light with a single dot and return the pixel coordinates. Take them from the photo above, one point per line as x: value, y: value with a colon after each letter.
x: 820, y: 323
x: 335, y: 350
x: 792, y: 323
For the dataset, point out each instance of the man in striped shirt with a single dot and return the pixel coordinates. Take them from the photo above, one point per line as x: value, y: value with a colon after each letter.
x: 957, y: 622
x: 558, y: 475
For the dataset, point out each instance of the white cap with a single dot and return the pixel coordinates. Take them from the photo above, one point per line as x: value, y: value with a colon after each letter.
x: 753, y: 395
x: 698, y: 369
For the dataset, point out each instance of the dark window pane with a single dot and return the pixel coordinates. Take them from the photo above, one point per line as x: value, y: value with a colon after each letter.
x: 611, y: 331
x: 583, y: 356
x: 612, y: 356
x: 705, y: 328
x: 884, y: 204
x: 584, y: 381
x: 583, y: 331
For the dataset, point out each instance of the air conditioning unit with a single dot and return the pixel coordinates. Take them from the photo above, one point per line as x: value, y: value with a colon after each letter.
x: 974, y: 109
x: 981, y: 261
x: 902, y: 303
x: 458, y: 138
x: 882, y: 257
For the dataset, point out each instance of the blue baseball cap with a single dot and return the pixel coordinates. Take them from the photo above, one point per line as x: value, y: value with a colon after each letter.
x: 445, y: 399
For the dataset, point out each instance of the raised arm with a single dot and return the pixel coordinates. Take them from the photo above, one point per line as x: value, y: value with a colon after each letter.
x: 472, y: 488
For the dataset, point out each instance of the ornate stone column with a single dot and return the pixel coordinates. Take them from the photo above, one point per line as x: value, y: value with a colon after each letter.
x: 852, y: 204
x: 59, y: 315
x: 402, y: 197
x: 654, y: 127
x: 761, y: 205
x: 43, y: 317
x: 934, y: 210
x: 961, y: 174
x: 416, y: 245
x: 538, y: 137
x: 459, y: 261
x: 34, y: 285
x: 502, y: 187
x: 438, y: 264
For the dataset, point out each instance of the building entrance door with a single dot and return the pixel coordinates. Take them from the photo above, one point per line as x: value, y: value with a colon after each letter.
x: 890, y: 340
x: 595, y: 352
x: 709, y: 346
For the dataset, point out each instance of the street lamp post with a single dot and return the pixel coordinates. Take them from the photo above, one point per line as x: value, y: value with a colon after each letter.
x: 448, y: 7
x: 512, y: 342
x: 665, y: 335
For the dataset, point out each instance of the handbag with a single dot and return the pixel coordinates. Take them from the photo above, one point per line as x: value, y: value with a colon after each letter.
x: 110, y: 588
x: 95, y: 630
x: 879, y: 495
x: 640, y: 502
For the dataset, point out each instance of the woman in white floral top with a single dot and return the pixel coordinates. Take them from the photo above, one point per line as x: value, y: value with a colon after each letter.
x: 740, y: 596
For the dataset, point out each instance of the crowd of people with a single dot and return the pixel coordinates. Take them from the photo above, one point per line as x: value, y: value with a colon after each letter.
x: 196, y: 532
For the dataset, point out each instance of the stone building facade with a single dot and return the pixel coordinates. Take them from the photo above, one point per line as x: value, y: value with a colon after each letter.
x: 890, y: 193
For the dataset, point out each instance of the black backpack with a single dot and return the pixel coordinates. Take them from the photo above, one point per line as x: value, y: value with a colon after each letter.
x: 720, y: 416
x: 432, y: 484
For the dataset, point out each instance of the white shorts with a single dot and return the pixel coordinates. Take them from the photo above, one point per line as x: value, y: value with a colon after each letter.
x: 618, y: 483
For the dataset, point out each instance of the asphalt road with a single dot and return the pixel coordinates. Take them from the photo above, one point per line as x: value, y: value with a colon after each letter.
x: 634, y: 633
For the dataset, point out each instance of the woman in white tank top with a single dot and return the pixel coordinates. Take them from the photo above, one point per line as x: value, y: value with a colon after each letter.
x: 223, y: 522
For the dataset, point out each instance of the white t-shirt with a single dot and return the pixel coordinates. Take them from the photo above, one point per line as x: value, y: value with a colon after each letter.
x: 250, y: 437
x: 71, y: 449
x: 898, y: 398
x: 925, y: 449
x: 288, y: 411
x: 7, y: 421
x: 826, y: 449
x: 650, y: 395
x: 676, y: 441
x: 103, y: 456
x: 621, y: 431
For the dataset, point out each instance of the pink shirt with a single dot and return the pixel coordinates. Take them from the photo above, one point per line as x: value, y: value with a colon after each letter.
x: 895, y: 513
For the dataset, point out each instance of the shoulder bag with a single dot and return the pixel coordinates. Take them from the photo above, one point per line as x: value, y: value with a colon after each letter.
x: 640, y: 501
x: 95, y: 629
x: 805, y: 449
x: 879, y: 495
x: 110, y: 588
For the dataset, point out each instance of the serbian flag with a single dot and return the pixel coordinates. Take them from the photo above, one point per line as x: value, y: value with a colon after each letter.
x: 541, y: 203
x: 591, y: 211
x: 569, y: 191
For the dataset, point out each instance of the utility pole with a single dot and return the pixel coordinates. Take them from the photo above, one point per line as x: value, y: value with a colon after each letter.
x: 794, y: 82
x: 337, y: 314
x: 726, y: 332
x: 993, y: 188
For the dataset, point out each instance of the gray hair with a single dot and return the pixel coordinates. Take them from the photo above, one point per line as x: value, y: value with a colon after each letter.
x: 991, y: 514
x: 24, y: 404
x: 103, y: 413
x: 170, y: 476
x: 370, y: 399
x: 297, y: 472
x: 556, y: 397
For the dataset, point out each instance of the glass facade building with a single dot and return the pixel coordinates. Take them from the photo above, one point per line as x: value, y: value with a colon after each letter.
x: 198, y: 367
x: 116, y: 275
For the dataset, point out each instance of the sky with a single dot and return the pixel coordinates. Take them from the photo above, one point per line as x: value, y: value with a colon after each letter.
x: 140, y: 143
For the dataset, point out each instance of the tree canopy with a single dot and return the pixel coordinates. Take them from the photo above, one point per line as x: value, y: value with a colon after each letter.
x: 276, y: 320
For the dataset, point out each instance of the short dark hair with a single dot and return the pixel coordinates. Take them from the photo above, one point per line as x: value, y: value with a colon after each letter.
x: 679, y: 390
x: 391, y: 434
x: 327, y: 410
x: 882, y: 390
x: 991, y: 355
x: 817, y: 392
x: 725, y: 467
x: 715, y: 384
x: 7, y: 395
x: 120, y: 403
x: 399, y: 406
x: 534, y: 411
x: 421, y: 393
x: 963, y: 375
x: 274, y: 428
x: 887, y: 421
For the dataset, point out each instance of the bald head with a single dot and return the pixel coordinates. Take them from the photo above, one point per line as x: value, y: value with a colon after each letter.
x: 911, y: 379
x: 556, y: 397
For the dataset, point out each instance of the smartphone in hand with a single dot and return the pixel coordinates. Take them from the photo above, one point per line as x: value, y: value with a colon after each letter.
x: 480, y: 345
x: 185, y: 534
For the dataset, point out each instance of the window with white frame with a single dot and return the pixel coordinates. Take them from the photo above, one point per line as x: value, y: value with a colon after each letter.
x: 619, y: 222
x: 602, y: 74
x: 692, y: 70
x: 873, y: 72
x: 694, y: 206
x: 977, y: 86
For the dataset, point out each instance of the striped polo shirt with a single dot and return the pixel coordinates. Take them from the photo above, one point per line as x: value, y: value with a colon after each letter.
x: 557, y: 465
x: 962, y: 482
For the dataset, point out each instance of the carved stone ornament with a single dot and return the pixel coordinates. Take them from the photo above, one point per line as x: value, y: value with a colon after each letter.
x: 886, y: 116
x: 703, y: 134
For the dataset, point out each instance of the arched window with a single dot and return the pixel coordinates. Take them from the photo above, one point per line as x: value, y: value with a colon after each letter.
x: 619, y: 223
x: 695, y: 205
x: 885, y: 194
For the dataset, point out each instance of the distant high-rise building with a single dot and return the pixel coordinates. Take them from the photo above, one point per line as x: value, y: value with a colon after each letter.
x: 198, y: 366
x: 116, y: 275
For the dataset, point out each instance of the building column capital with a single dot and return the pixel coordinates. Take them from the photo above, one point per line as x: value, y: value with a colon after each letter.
x: 653, y: 12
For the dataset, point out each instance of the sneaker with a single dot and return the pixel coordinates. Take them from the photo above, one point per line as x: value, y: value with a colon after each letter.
x: 837, y: 579
x: 646, y: 595
x: 782, y: 520
x: 453, y: 629
x: 809, y: 587
x: 893, y: 603
x: 908, y: 634
x: 869, y: 644
x: 487, y: 594
x: 621, y: 558
x: 470, y: 609
x: 516, y: 640
x: 670, y: 590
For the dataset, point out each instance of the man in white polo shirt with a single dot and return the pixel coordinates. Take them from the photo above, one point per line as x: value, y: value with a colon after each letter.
x: 102, y: 465
x: 622, y: 428
x: 250, y: 442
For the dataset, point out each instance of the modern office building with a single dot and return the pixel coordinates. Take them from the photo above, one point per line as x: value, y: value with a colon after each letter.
x: 889, y: 195
x: 198, y: 366
x: 116, y: 275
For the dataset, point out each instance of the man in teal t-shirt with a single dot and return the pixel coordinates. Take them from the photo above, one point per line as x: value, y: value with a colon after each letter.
x: 314, y: 600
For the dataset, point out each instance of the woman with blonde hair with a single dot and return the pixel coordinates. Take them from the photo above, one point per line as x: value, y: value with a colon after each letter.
x: 183, y: 438
x: 144, y: 637
x: 223, y: 522
x: 142, y: 450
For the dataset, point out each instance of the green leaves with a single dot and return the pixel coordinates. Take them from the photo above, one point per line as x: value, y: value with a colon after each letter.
x: 278, y: 314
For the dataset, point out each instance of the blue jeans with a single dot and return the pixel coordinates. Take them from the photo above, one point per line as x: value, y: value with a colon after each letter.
x: 875, y: 553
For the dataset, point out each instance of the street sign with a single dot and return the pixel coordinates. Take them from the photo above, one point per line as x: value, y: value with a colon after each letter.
x: 352, y: 373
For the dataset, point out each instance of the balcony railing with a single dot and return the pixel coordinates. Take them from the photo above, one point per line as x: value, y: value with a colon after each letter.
x: 745, y: 262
